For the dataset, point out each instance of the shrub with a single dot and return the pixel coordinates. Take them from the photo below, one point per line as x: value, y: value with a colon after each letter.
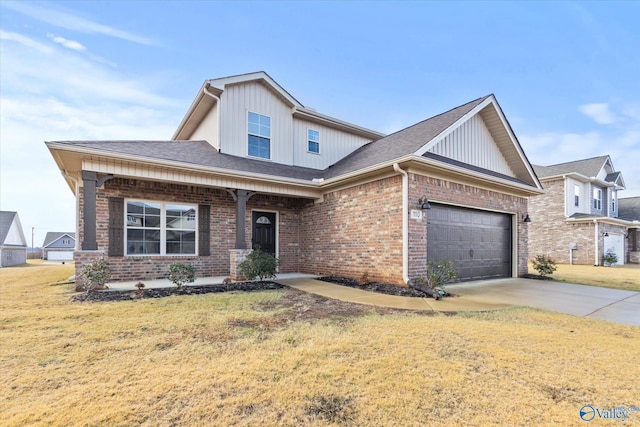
x: 544, y: 265
x: 259, y: 264
x: 94, y: 276
x: 180, y: 274
x: 439, y: 274
x: 610, y: 258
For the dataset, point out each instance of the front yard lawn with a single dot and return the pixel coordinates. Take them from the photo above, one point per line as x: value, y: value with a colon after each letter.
x: 617, y: 277
x: 285, y: 358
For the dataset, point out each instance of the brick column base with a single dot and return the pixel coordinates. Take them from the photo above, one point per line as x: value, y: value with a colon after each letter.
x: 82, y: 258
x: 236, y: 256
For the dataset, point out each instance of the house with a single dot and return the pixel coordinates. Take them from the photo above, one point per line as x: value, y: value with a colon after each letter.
x: 13, y: 245
x: 59, y: 246
x: 629, y: 209
x: 577, y: 220
x: 250, y: 166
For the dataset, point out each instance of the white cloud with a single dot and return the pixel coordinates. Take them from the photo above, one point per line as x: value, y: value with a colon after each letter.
x: 599, y: 113
x: 52, y: 93
x: 25, y: 41
x: 68, y: 21
x: 71, y: 44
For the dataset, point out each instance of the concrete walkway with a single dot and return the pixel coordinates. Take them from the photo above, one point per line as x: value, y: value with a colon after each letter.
x: 579, y: 300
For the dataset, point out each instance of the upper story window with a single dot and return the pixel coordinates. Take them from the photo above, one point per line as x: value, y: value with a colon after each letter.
x: 576, y: 195
x: 155, y: 228
x: 259, y: 130
x: 614, y: 196
x: 313, y: 141
x: 597, y: 199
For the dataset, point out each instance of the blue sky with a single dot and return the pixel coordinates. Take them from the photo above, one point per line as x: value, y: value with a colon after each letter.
x: 567, y: 74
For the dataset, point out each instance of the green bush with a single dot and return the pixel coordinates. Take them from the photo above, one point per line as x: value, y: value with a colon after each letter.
x: 610, y: 258
x: 544, y: 265
x: 94, y: 276
x: 439, y: 274
x: 180, y: 274
x: 259, y: 264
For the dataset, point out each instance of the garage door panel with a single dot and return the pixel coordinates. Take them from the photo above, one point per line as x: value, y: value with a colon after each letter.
x: 478, y: 241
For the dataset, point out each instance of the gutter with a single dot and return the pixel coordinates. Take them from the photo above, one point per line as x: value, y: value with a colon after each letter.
x: 596, y: 243
x: 405, y: 222
x: 204, y: 89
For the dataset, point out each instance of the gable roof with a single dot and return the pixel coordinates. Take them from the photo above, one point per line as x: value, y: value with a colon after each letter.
x: 203, y: 103
x: 6, y: 219
x: 587, y: 167
x: 629, y: 208
x: 53, y: 236
x: 421, y: 138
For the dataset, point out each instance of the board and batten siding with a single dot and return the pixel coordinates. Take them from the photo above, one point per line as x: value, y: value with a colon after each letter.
x: 237, y: 101
x: 473, y: 144
x: 207, y: 130
x: 334, y: 144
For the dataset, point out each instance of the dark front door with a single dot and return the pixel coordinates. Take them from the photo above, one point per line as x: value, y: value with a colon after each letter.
x: 478, y: 241
x: 263, y: 236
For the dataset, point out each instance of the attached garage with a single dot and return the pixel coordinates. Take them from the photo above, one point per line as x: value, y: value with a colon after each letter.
x: 480, y: 242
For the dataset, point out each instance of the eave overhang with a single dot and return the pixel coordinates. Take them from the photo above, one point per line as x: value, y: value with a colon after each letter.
x: 73, y: 159
x: 604, y: 220
x: 584, y: 179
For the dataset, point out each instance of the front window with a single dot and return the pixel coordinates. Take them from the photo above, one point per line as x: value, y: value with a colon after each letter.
x: 597, y: 199
x: 576, y: 195
x: 259, y: 129
x: 313, y: 141
x: 155, y: 228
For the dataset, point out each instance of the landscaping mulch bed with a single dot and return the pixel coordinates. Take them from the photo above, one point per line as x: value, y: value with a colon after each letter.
x: 383, y: 288
x: 108, y: 295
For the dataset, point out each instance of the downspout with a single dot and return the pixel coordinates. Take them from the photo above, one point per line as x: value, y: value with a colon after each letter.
x: 405, y: 222
x: 596, y: 243
x: 204, y: 89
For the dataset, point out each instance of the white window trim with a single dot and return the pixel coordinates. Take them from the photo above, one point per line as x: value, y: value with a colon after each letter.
x: 576, y: 195
x: 309, y: 140
x: 163, y: 229
x: 597, y: 192
x: 259, y: 136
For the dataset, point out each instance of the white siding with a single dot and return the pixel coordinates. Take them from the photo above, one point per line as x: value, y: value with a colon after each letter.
x: 585, y: 200
x: 473, y: 144
x: 334, y: 145
x: 15, y: 235
x: 236, y: 101
x: 208, y: 129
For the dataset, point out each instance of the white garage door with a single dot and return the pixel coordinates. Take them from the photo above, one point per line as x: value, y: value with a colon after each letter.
x: 60, y: 255
x: 615, y: 243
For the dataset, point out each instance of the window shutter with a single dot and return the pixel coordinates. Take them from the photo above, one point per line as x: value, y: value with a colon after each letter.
x: 116, y: 226
x: 204, y: 230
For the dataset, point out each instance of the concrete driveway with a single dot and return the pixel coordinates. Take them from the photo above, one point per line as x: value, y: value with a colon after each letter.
x: 580, y: 300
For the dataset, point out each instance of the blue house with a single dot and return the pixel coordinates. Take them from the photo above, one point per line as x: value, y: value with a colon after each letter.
x: 59, y: 246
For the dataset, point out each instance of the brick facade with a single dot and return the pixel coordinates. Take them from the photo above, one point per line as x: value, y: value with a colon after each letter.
x: 353, y: 231
x: 551, y: 235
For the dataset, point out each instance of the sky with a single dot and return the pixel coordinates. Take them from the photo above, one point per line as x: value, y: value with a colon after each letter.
x: 566, y: 74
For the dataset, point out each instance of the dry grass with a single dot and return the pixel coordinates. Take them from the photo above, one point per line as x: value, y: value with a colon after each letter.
x: 243, y: 359
x: 617, y: 277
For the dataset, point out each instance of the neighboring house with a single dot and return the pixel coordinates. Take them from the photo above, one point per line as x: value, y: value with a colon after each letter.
x: 59, y: 246
x: 249, y: 166
x: 629, y: 209
x: 13, y: 245
x: 577, y: 219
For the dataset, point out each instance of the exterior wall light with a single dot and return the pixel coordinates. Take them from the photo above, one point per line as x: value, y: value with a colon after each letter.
x: 526, y: 218
x: 605, y: 234
x: 423, y: 203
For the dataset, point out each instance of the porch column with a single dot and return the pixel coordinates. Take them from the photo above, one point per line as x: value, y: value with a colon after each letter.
x: 241, y: 197
x: 89, y: 184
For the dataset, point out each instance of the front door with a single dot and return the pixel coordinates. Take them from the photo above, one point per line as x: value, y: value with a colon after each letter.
x: 263, y: 236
